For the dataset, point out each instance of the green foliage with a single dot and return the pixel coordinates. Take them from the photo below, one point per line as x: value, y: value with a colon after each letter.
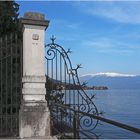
x: 9, y: 17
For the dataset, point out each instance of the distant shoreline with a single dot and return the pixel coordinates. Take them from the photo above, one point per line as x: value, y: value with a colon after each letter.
x: 96, y: 88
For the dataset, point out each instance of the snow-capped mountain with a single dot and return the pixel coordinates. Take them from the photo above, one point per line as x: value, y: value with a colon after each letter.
x: 112, y: 80
x: 109, y: 74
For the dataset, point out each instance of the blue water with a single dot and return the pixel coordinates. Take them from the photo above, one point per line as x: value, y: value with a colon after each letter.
x: 118, y: 105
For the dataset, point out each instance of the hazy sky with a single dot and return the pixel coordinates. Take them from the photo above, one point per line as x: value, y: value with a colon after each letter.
x: 104, y: 36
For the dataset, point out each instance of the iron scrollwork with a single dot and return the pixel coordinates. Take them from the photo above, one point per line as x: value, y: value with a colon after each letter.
x: 60, y: 73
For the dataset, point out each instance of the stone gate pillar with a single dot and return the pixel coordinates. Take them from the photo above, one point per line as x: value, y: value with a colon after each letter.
x: 34, y: 116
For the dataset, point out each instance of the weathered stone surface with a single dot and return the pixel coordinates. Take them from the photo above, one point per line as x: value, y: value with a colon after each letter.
x: 34, y: 116
x: 33, y: 18
x: 34, y: 91
x: 34, y: 15
x: 34, y: 88
x: 35, y: 79
x: 49, y: 137
x: 34, y: 120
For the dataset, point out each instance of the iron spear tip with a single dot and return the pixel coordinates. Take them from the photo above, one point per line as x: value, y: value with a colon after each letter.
x: 53, y: 38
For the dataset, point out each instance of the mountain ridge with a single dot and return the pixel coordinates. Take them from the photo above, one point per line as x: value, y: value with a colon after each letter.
x: 112, y: 80
x: 110, y: 74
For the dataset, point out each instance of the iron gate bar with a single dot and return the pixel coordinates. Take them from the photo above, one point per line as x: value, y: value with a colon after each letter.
x: 1, y: 83
x: 11, y: 78
x: 6, y: 84
x: 10, y: 84
x: 16, y: 82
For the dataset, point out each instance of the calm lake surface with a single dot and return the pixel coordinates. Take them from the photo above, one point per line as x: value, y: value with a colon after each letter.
x: 118, y: 105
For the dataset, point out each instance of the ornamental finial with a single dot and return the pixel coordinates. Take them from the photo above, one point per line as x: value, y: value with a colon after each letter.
x: 53, y: 39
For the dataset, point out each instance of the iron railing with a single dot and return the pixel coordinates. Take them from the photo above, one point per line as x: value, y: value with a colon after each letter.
x: 76, y: 129
x: 10, y: 84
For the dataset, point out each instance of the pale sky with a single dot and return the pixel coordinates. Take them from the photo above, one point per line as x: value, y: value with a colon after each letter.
x: 103, y: 36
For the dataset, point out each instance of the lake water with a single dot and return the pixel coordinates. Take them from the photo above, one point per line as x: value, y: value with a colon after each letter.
x: 118, y: 105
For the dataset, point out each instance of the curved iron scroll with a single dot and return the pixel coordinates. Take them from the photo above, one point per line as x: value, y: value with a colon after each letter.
x: 63, y: 87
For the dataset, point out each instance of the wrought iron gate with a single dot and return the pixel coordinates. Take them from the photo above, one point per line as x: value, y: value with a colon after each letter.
x: 10, y: 84
x: 65, y: 91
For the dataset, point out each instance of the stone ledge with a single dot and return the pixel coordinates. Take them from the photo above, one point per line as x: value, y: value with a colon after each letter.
x: 34, y: 22
x: 34, y: 18
x: 31, y: 107
x: 34, y: 91
x: 48, y: 138
x: 34, y: 79
x: 33, y: 103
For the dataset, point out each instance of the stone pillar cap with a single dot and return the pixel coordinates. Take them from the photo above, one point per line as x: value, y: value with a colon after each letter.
x: 34, y: 18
